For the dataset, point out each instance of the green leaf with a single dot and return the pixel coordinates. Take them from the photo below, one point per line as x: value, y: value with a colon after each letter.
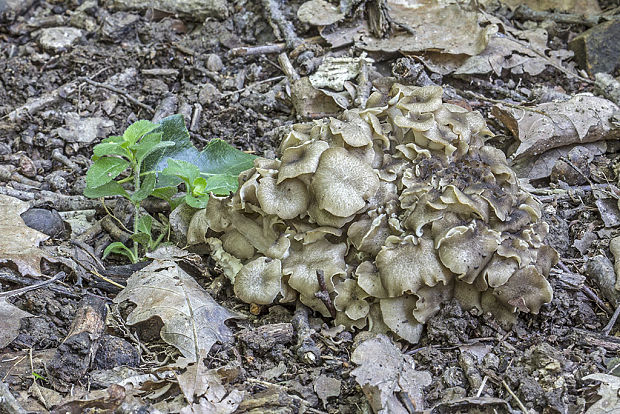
x: 198, y: 186
x: 105, y: 170
x: 186, y: 171
x: 196, y: 202
x: 222, y: 185
x: 145, y: 223
x: 120, y: 248
x: 115, y: 139
x: 217, y: 159
x: 109, y: 148
x: 142, y: 238
x: 109, y: 189
x: 165, y: 193
x: 137, y: 130
x: 146, y: 188
x: 148, y: 144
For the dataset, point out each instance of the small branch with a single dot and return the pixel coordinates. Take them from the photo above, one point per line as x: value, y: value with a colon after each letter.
x: 58, y: 276
x: 258, y: 50
x: 514, y: 396
x: 120, y: 92
x: 323, y: 294
x: 612, y: 321
x: 523, y: 12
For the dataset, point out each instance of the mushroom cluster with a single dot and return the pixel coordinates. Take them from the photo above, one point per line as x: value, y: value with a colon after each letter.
x: 400, y: 206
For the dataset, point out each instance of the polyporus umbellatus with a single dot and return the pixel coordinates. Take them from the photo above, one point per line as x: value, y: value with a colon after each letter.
x: 401, y: 206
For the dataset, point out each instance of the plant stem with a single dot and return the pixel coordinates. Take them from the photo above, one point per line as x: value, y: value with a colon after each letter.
x: 136, y: 187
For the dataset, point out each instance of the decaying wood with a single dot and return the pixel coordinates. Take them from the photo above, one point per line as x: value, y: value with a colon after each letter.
x: 266, y: 337
x: 74, y: 356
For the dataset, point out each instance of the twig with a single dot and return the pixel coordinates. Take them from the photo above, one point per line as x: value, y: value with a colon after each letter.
x: 305, y: 348
x: 484, y: 381
x: 35, y: 105
x: 523, y: 12
x: 287, y: 67
x: 8, y: 403
x: 250, y: 86
x: 11, y: 192
x: 513, y: 395
x: 612, y: 321
x: 323, y: 294
x: 118, y: 91
x: 280, y: 25
x: 25, y: 289
x: 258, y: 50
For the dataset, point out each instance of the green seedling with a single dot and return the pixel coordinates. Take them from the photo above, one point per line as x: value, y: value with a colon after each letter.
x: 116, y: 155
x: 152, y: 159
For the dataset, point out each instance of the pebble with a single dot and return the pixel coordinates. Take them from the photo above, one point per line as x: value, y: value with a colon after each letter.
x: 214, y: 62
x: 46, y: 221
x: 59, y: 39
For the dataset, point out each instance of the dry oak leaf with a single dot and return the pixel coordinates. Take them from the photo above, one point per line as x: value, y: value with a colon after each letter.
x: 19, y: 243
x: 384, y: 371
x: 581, y: 119
x: 193, y: 321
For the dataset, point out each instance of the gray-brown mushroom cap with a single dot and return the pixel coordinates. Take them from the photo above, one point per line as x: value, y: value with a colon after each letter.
x: 259, y: 281
x: 300, y: 160
x: 286, y: 200
x: 342, y: 183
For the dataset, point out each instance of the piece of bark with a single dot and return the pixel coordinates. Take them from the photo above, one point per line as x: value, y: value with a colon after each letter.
x: 266, y: 337
x: 74, y: 356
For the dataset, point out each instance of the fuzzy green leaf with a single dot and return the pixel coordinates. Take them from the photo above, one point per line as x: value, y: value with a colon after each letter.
x: 120, y: 248
x: 108, y: 189
x: 137, y: 130
x: 146, y: 188
x: 109, y: 148
x: 217, y: 159
x: 197, y: 202
x: 105, y: 170
x: 222, y: 185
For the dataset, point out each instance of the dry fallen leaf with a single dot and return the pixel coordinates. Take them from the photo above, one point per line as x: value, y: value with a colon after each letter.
x: 509, y: 53
x: 447, y: 28
x: 581, y: 119
x: 203, y: 388
x: 609, y: 388
x: 19, y: 244
x: 10, y: 315
x: 193, y: 321
x: 384, y: 372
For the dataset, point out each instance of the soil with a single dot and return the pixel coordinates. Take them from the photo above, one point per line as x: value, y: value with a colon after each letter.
x: 176, y: 64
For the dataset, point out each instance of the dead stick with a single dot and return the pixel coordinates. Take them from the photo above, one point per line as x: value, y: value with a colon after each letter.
x: 118, y: 91
x: 323, y: 294
x: 74, y: 356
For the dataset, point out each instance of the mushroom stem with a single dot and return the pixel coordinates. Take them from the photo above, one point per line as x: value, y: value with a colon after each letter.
x: 323, y: 294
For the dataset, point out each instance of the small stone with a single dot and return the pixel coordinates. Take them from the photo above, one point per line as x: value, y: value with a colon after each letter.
x: 600, y: 270
x: 597, y: 49
x: 84, y: 130
x: 214, y: 62
x: 27, y: 167
x: 208, y: 94
x: 118, y: 25
x: 59, y: 39
x: 56, y: 181
x: 114, y: 352
x: 46, y: 221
